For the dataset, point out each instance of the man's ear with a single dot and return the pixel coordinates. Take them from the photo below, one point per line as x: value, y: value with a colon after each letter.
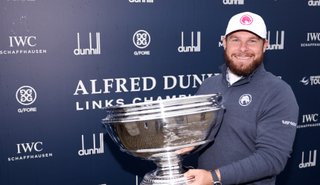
x: 224, y: 40
x: 266, y: 43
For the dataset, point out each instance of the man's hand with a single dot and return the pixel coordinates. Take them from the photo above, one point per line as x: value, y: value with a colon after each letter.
x: 185, y: 150
x: 201, y: 177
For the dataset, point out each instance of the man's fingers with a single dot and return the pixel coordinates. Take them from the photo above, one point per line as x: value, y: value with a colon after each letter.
x: 186, y: 174
x: 189, y: 173
x: 190, y: 176
x: 184, y: 150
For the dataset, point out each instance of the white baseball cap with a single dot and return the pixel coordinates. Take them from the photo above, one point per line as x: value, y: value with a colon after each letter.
x: 247, y: 21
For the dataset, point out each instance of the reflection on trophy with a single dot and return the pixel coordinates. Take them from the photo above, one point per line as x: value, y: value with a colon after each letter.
x: 165, y: 132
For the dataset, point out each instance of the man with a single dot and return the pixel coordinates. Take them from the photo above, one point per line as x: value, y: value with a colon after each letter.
x: 258, y: 129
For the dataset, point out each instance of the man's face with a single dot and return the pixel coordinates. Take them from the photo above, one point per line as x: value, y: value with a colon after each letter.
x: 243, y: 52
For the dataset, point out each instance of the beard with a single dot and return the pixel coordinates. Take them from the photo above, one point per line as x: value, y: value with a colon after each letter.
x: 242, y: 69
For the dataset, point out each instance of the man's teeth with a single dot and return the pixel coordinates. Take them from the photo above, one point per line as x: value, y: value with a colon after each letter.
x: 244, y: 58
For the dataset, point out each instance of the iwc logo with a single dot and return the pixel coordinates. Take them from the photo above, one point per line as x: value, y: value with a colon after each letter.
x: 245, y: 100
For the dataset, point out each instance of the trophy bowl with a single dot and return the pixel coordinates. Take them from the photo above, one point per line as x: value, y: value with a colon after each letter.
x: 164, y: 132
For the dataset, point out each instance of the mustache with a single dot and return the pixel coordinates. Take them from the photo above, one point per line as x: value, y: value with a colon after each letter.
x: 243, y: 71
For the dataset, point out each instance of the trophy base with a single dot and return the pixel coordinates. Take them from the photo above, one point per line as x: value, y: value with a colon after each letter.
x: 169, y: 171
x: 152, y: 179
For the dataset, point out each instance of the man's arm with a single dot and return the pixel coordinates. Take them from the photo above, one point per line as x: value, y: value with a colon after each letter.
x: 276, y: 128
x: 275, y: 134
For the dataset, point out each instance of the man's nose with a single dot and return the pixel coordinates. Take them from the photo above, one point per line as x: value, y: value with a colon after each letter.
x: 243, y: 47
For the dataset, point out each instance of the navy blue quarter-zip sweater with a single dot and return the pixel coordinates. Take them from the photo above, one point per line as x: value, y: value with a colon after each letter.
x: 258, y: 128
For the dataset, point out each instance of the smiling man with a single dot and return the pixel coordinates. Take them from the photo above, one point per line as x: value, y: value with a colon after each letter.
x: 254, y: 142
x: 244, y: 52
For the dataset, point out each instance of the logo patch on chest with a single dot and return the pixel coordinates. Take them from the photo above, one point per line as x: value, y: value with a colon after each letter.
x: 245, y: 100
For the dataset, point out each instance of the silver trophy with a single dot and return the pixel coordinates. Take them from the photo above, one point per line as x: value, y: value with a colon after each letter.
x: 165, y: 132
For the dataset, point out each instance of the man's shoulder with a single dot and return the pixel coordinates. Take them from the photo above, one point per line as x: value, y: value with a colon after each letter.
x: 275, y: 86
x: 212, y: 78
x: 216, y: 79
x: 212, y: 84
x: 273, y: 80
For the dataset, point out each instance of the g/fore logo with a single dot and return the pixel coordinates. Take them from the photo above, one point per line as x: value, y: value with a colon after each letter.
x: 26, y: 95
x: 141, y: 39
x: 231, y: 2
x: 314, y: 3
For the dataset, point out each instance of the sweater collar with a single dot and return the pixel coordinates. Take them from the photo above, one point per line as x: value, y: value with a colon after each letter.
x: 245, y: 79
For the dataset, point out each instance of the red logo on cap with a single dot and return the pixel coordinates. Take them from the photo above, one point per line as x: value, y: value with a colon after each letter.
x: 246, y: 20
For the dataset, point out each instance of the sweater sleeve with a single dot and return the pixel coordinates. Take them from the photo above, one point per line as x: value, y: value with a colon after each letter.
x: 276, y: 128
